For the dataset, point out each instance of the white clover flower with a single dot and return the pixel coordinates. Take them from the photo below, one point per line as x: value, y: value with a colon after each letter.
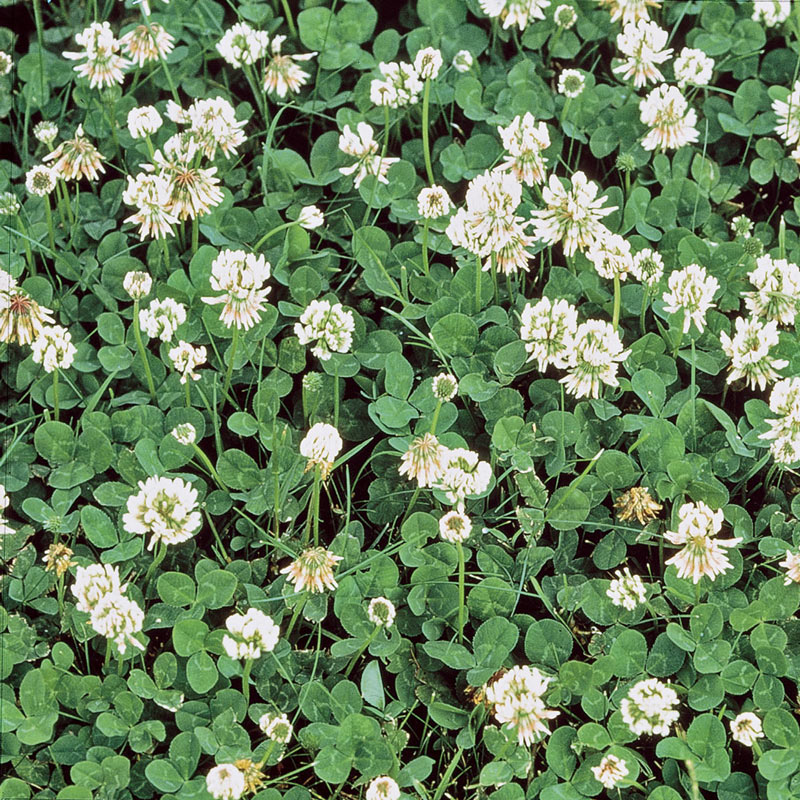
x: 463, y: 61
x: 741, y: 226
x: 381, y: 612
x: 648, y: 267
x: 792, y: 566
x: 424, y: 460
x: 777, y: 294
x: 240, y: 44
x: 185, y: 433
x: 186, y: 358
x: 320, y: 446
x: 571, y: 83
x: 611, y: 256
x: 276, y: 727
x: 330, y: 327
x: 690, y: 289
x: 364, y: 148
x: 310, y: 218
x: 518, y: 702
x: 250, y: 634
x: 427, y: 63
x: 212, y: 123
x: 92, y: 583
x: 137, y: 284
x: 9, y: 205
x: 46, y: 131
x: 649, y: 708
x: 637, y: 502
x: 746, y: 728
x: 151, y: 195
x: 103, y: 67
x: 525, y: 140
x: 118, y: 618
x: 693, y: 66
x: 514, y: 12
x: 147, y: 43
x: 21, y: 317
x: 283, y: 73
x: 312, y: 570
x: 383, y: 788
x: 749, y: 349
x: 610, y: 771
x: 143, y: 120
x: 572, y: 215
x: 455, y: 527
x: 444, y: 387
x: 771, y: 12
x: 629, y: 11
x: 165, y: 508
x: 225, y: 782
x: 162, y: 318
x: 5, y: 528
x: 702, y: 552
x: 565, y: 16
x: 399, y: 86
x: 40, y: 180
x: 672, y: 123
x: 463, y: 475
x: 598, y: 351
x: 785, y: 429
x: 240, y: 276
x: 627, y: 590
x: 53, y: 348
x: 76, y: 158
x: 643, y: 44
x: 433, y: 202
x: 548, y: 329
x: 58, y: 557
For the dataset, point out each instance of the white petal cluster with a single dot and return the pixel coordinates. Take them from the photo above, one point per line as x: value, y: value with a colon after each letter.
x: 572, y: 215
x: 784, y: 432
x: 672, y: 123
x: 186, y: 358
x: 629, y: 11
x: 650, y: 707
x: 313, y: 570
x: 364, y: 148
x: 792, y: 566
x: 571, y: 83
x: 749, y: 349
x: 212, y: 123
x: 399, y: 86
x: 137, y: 284
x: 240, y: 276
x: 53, y: 348
x: 40, y: 180
x: 463, y: 475
x: 524, y: 140
x: 424, y: 460
x: 463, y: 61
x: 610, y: 771
x: 241, y: 44
x: 104, y: 66
x: 310, y: 218
x: 185, y: 433
x: 444, y: 387
x: 611, y: 256
x: 647, y: 266
x: 433, y: 202
x: 518, y: 702
x: 771, y: 12
x: 276, y: 727
x: 320, y: 446
x: 283, y: 74
x: 690, y: 289
x: 5, y: 528
x: 643, y: 45
x: 147, y: 43
x: 225, y: 782
x: 746, y: 728
x: 777, y: 294
x: 455, y: 527
x: 100, y: 594
x: 427, y: 63
x: 626, y: 590
x: 46, y: 131
x: 143, y: 120
x: 693, y: 66
x: 515, y: 12
x: 329, y: 327
x: 595, y: 358
x: 702, y: 553
x: 381, y: 612
x: 548, y: 329
x: 565, y: 16
x: 250, y: 634
x: 383, y: 788
x: 488, y: 225
x: 164, y: 507
x: 151, y: 194
x: 162, y: 318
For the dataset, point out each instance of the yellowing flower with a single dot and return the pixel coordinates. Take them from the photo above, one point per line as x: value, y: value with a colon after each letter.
x: 637, y: 502
x: 21, y: 317
x: 76, y: 158
x: 423, y: 460
x: 672, y: 122
x: 312, y: 570
x: 610, y: 771
x: 283, y: 73
x: 58, y: 558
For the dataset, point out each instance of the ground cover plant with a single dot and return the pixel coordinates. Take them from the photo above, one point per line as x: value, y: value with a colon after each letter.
x: 400, y: 400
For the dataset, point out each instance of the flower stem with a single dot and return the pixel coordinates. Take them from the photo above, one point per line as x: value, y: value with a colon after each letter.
x: 142, y: 352
x: 273, y: 232
x: 28, y: 252
x: 425, y: 246
x: 460, y: 548
x: 248, y: 665
x: 289, y: 19
x: 645, y: 299
x: 161, y: 551
x: 295, y: 614
x: 195, y: 234
x: 315, y: 505
x: 478, y: 271
x: 188, y: 390
x: 617, y: 302
x: 231, y: 357
x: 165, y: 251
x: 50, y: 229
x: 210, y: 467
x: 336, y: 395
x: 367, y: 642
x: 426, y: 147
x: 694, y: 420
x: 55, y: 394
x: 164, y: 66
x: 258, y: 94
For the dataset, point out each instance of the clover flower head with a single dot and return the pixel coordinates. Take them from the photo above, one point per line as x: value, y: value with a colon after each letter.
x: 118, y: 618
x: 399, y: 86
x: 690, y: 289
x: 250, y: 634
x: 433, y: 202
x: 364, y: 148
x: 329, y: 327
x: 320, y: 446
x: 637, y: 502
x: 9, y: 205
x: 565, y: 16
x: 423, y: 461
x: 647, y: 266
x: 383, y: 788
x: 548, y: 329
x: 672, y: 122
x: 76, y: 158
x: 21, y: 317
x: 626, y: 590
x: 147, y: 43
x: 642, y: 43
x: 240, y: 276
x: 186, y: 358
x: 749, y: 352
x: 427, y: 63
x: 225, y: 782
x: 276, y: 727
x: 151, y: 194
x: 792, y: 566
x: 283, y: 73
x: 524, y: 140
x: 629, y: 11
x: 611, y: 256
x: 185, y: 433
x: 784, y: 432
x: 571, y: 83
x: 514, y: 12
x: 310, y: 218
x: 104, y: 66
x: 162, y: 318
x: 312, y: 570
x: 777, y: 294
x: 444, y: 387
x: 241, y: 44
x: 463, y: 61
x: 40, y: 180
x: 381, y: 612
x: 94, y: 582
x: 53, y: 348
x: 610, y: 771
x: 693, y: 66
x: 650, y: 708
x: 463, y: 475
x: 144, y: 120
x: 46, y: 131
x: 597, y: 353
x: 771, y: 12
x: 746, y: 728
x: 455, y: 527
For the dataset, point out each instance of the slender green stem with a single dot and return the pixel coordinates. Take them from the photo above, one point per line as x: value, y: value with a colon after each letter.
x: 367, y: 642
x: 55, y: 394
x: 231, y: 358
x: 435, y: 417
x: 267, y: 235
x: 161, y: 552
x: 61, y: 185
x: 478, y: 271
x: 267, y: 754
x: 494, y: 279
x: 50, y: 229
x: 164, y: 65
x: 142, y: 352
x: 289, y: 19
x: 276, y: 482
x: 37, y: 14
x: 643, y: 312
x: 617, y: 302
x: 150, y: 148
x: 165, y: 253
x: 461, y: 569
x: 295, y: 614
x: 384, y: 149
x: 426, y: 146
x: 314, y: 515
x: 195, y: 234
x: 336, y: 395
x: 692, y: 401
x: 27, y: 245
x: 248, y: 665
x: 425, y: 225
x: 188, y: 390
x: 221, y: 546
x: 258, y: 92
x: 210, y: 467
